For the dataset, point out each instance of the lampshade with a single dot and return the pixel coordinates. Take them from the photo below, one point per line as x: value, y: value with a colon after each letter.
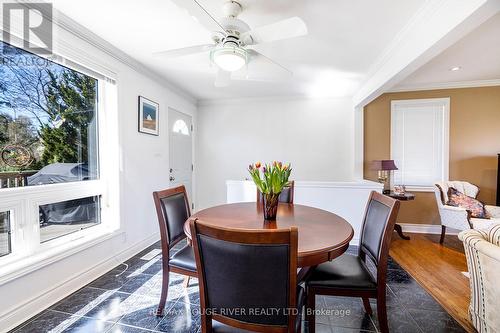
x: 230, y: 58
x: 383, y: 165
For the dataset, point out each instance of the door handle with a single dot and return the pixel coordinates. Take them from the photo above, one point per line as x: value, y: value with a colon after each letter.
x: 172, y: 178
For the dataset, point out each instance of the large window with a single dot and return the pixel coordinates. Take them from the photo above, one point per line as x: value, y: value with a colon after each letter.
x: 52, y: 194
x: 48, y: 121
x: 419, y: 142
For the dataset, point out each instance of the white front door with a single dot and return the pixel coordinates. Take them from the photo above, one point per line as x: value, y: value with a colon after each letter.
x: 180, y: 148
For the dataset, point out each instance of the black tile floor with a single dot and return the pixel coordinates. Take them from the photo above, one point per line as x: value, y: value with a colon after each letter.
x: 124, y: 299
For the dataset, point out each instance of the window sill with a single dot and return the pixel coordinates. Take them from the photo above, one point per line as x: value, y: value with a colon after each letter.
x: 18, y: 266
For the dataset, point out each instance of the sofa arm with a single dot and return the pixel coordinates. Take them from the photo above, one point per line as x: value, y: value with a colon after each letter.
x: 490, y: 250
x: 455, y: 217
x: 469, y: 237
x: 478, y: 240
x: 493, y: 211
x: 483, y: 260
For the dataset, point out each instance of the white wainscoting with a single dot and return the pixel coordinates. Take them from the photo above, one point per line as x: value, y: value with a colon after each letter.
x: 346, y: 199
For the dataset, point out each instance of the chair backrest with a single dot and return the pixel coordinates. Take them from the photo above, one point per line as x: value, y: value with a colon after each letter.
x: 247, y: 278
x: 376, y: 231
x: 286, y: 196
x: 438, y: 193
x: 172, y: 208
x: 441, y: 190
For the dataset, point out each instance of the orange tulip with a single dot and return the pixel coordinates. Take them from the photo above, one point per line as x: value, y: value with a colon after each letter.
x: 257, y: 165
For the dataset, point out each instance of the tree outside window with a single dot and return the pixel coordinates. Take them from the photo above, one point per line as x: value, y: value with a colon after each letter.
x: 48, y: 126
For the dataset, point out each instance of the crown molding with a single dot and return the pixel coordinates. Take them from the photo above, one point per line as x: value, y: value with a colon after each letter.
x: 88, y: 36
x: 266, y: 99
x: 446, y: 85
x: 66, y: 23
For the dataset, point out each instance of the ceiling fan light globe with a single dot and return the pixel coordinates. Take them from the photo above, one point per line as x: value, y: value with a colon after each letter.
x: 230, y: 59
x: 229, y: 62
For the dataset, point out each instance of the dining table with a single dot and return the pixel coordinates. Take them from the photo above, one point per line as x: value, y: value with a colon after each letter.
x: 322, y: 235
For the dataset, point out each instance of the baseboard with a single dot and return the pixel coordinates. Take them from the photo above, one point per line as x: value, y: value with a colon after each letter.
x: 434, y: 229
x: 47, y: 298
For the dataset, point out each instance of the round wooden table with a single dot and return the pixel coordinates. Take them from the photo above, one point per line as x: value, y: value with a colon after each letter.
x: 323, y: 236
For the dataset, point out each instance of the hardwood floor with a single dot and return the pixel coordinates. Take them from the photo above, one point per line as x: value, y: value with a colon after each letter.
x: 438, y: 268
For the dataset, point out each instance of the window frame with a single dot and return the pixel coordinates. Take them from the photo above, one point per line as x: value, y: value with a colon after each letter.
x: 8, y: 232
x: 445, y: 132
x: 27, y: 253
x: 10, y: 208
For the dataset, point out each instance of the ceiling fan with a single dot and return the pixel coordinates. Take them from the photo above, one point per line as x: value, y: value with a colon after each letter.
x: 232, y: 39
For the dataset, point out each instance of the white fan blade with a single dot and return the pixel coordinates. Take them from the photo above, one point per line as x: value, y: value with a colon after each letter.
x: 184, y: 51
x: 222, y: 78
x: 197, y: 11
x: 262, y: 68
x: 289, y: 28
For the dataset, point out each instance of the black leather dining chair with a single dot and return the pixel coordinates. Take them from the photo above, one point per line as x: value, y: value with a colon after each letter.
x: 286, y: 195
x: 247, y: 279
x: 349, y: 275
x: 172, y: 208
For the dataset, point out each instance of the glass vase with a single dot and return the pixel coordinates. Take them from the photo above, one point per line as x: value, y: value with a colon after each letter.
x: 270, y: 206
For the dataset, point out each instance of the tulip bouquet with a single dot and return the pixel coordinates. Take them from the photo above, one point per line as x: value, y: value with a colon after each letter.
x: 274, y: 176
x: 270, y: 180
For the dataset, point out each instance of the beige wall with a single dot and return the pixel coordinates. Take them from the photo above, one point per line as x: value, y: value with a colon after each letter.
x: 474, y: 143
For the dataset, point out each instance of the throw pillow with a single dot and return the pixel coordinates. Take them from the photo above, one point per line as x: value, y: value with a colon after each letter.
x: 458, y: 199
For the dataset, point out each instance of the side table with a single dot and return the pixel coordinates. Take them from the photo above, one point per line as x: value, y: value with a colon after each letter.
x: 401, y: 197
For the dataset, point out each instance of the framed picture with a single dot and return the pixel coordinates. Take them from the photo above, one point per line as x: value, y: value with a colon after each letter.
x: 148, y: 116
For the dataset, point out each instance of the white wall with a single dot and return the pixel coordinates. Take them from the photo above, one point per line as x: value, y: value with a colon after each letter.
x: 144, y: 158
x: 315, y: 135
x: 142, y: 167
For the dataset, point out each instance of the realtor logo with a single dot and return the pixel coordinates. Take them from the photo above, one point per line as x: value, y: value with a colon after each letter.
x: 35, y: 20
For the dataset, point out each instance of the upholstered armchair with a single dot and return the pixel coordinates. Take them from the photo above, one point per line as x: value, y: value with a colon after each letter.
x: 459, y: 218
x: 482, y: 249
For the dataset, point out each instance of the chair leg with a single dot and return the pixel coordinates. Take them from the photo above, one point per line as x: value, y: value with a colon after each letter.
x: 310, y: 311
x: 382, y: 314
x: 443, y: 232
x: 366, y: 304
x: 164, y: 294
x: 206, y: 323
x: 185, y: 284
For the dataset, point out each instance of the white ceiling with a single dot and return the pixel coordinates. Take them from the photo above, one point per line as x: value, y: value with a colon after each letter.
x: 345, y: 38
x: 477, y: 55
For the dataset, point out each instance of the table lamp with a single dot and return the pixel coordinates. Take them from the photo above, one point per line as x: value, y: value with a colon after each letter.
x: 384, y: 167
